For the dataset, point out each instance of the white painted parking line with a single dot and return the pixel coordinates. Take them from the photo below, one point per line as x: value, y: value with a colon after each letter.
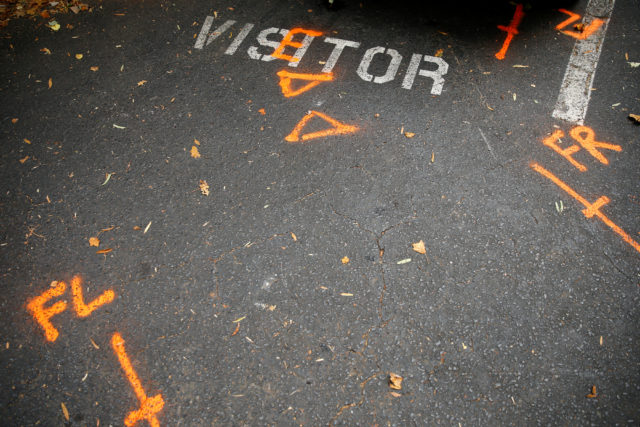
x: 575, y: 91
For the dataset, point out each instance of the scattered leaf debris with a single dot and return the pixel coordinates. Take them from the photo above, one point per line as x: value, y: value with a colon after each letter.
x: 237, y: 329
x: 142, y: 82
x: 94, y: 68
x: 79, y: 56
x: 204, y: 187
x: 439, y: 53
x: 46, y: 51
x: 345, y: 260
x: 194, y: 152
x: 104, y: 251
x: 93, y: 343
x: 409, y: 134
x: 261, y: 111
x: 395, y: 394
x: 419, y: 247
x: 65, y: 411
x: 635, y: 117
x: 294, y: 237
x: 94, y: 241
x: 346, y: 294
x: 404, y: 261
x: 593, y: 393
x: 50, y: 82
x: 395, y: 381
x: 147, y: 228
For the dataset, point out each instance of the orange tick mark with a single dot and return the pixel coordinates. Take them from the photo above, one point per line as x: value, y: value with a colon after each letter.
x: 82, y: 309
x: 590, y: 210
x: 511, y: 30
x: 288, y: 41
x: 149, y: 406
x: 337, y: 129
x: 580, y: 35
x: 313, y: 79
x: 42, y: 314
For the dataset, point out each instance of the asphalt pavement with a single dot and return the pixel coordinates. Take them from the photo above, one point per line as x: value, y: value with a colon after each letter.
x: 283, y: 213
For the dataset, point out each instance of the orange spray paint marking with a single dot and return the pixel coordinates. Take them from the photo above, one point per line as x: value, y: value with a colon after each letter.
x: 590, y: 210
x: 288, y: 41
x: 149, y: 406
x: 580, y: 35
x: 338, y: 128
x: 42, y: 315
x: 591, y: 145
x: 550, y: 141
x: 82, y: 309
x: 314, y: 80
x: 511, y: 30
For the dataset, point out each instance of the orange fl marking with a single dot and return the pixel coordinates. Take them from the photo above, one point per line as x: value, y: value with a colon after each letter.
x: 338, y: 128
x: 590, y: 210
x: 591, y: 145
x: 580, y: 35
x: 550, y: 141
x: 42, y: 315
x: 511, y: 30
x: 288, y: 41
x: 313, y: 79
x: 82, y: 309
x: 149, y: 406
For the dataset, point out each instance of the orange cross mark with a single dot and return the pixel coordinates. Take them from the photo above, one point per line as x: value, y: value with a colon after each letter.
x: 338, y: 128
x: 82, y: 309
x: 591, y: 209
x: 42, y: 314
x: 511, y: 30
x: 288, y: 41
x: 580, y: 35
x: 313, y: 79
x: 149, y: 406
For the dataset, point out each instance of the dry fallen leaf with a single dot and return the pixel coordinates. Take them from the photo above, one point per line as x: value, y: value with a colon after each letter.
x: 194, y: 152
x: 26, y: 141
x: 79, y: 56
x: 395, y: 394
x: 50, y: 82
x: 409, y: 134
x: 24, y: 159
x: 261, y: 111
x: 579, y: 27
x: 46, y: 51
x: 294, y: 237
x: 141, y: 82
x: 104, y: 251
x: 635, y: 117
x: 94, y: 241
x: 54, y: 25
x: 439, y: 53
x: 65, y: 411
x: 14, y: 121
x: 93, y: 343
x: 395, y: 381
x: 593, y: 393
x: 345, y: 260
x: 419, y: 247
x: 236, y: 330
x: 94, y: 68
x: 204, y: 187
x: 195, y: 141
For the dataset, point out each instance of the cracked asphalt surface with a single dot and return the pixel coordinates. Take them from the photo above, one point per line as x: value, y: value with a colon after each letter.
x: 239, y: 307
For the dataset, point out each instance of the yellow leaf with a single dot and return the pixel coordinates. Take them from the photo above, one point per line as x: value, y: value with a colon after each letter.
x: 635, y: 117
x: 24, y: 159
x: 46, y: 51
x: 50, y: 82
x: 409, y: 134
x: 194, y: 152
x: 346, y: 294
x: 204, y: 187
x: 395, y: 394
x: 345, y: 260
x: 94, y: 68
x: 395, y: 381
x: 26, y: 141
x: 141, y: 82
x: 54, y: 25
x: 79, y: 56
x: 65, y: 411
x: 439, y: 53
x: 195, y: 141
x: 94, y: 241
x: 419, y: 247
x: 294, y: 237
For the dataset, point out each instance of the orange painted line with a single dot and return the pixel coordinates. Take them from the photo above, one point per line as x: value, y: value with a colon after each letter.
x: 591, y: 145
x: 82, y: 309
x: 288, y: 41
x: 338, y: 128
x: 315, y: 79
x: 550, y: 141
x: 42, y: 314
x: 590, y: 209
x: 580, y: 35
x: 511, y: 30
x: 149, y: 406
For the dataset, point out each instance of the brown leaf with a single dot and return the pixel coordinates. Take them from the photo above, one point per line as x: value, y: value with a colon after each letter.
x: 194, y: 152
x: 65, y: 411
x: 204, y: 187
x: 635, y: 117
x: 395, y: 381
x: 94, y: 241
x: 104, y: 251
x: 419, y: 247
x: 45, y: 14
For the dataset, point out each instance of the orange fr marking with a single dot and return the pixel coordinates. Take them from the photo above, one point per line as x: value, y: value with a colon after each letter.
x: 338, y: 128
x: 580, y: 35
x: 314, y: 80
x: 82, y: 309
x: 42, y: 315
x: 590, y: 210
x: 288, y: 41
x: 550, y: 141
x: 149, y: 406
x: 591, y: 145
x: 511, y: 30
